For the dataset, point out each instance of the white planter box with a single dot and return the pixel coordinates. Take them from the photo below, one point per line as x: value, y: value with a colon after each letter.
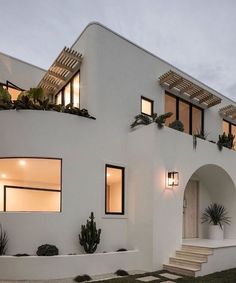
x: 215, y: 232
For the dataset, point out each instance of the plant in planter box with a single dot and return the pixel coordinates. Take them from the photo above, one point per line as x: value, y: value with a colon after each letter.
x: 3, y: 241
x: 216, y: 215
x: 177, y: 125
x: 199, y: 135
x: 90, y: 235
x: 226, y: 141
x: 160, y: 120
x: 5, y: 99
x: 143, y: 119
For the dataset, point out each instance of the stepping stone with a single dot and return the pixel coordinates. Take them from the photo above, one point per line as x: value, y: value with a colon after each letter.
x: 147, y: 278
x: 170, y: 276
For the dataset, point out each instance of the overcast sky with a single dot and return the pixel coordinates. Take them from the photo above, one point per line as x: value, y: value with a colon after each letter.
x: 197, y: 36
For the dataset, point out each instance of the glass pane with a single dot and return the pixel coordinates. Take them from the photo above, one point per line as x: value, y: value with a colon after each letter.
x: 225, y: 127
x: 30, y: 173
x: 20, y: 199
x: 114, y: 190
x: 233, y: 132
x: 170, y: 106
x: 196, y: 120
x: 184, y: 115
x: 67, y: 94
x: 14, y: 93
x: 146, y: 107
x: 58, y: 98
x: 76, y: 90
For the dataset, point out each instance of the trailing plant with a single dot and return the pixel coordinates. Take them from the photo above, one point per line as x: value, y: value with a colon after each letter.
x: 90, y: 236
x: 199, y: 134
x: 47, y: 250
x: 3, y: 241
x: 160, y: 120
x: 177, y: 125
x: 76, y: 111
x: 142, y: 119
x: 216, y: 214
x: 121, y: 272
x: 82, y: 278
x: 225, y: 141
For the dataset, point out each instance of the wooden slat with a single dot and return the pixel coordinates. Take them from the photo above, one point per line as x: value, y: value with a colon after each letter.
x: 197, y: 93
x: 62, y: 66
x: 176, y: 83
x: 55, y: 75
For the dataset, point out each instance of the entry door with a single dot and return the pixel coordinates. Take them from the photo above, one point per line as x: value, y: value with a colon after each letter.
x: 190, y: 210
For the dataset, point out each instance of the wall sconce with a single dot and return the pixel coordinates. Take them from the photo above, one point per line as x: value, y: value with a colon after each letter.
x: 172, y: 179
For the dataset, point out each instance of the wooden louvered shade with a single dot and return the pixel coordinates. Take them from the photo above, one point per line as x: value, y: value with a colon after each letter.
x: 228, y: 111
x: 171, y: 80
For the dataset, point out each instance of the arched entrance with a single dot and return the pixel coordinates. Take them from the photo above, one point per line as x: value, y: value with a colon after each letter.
x: 210, y: 183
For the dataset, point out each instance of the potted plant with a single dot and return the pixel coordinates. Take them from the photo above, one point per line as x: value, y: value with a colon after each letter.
x: 216, y: 215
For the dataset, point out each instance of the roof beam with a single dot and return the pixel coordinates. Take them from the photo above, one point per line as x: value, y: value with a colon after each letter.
x: 49, y: 84
x: 186, y: 89
x: 207, y: 97
x: 166, y: 78
x: 176, y: 83
x: 62, y: 66
x: 72, y: 56
x: 57, y: 76
x: 200, y: 92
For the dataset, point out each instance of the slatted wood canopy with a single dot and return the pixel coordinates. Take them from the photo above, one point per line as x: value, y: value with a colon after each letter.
x: 171, y: 80
x: 63, y: 68
x: 228, y: 111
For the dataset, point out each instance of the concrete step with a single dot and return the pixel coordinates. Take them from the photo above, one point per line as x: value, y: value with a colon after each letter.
x: 185, y: 262
x: 191, y: 255
x: 181, y: 270
x: 196, y: 249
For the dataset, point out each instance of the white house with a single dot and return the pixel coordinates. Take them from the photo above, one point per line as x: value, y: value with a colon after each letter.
x: 56, y: 168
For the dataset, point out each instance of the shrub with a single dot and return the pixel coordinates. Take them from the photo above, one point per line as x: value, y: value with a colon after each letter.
x: 226, y: 141
x: 121, y: 272
x: 177, y: 125
x: 3, y: 241
x: 47, y: 250
x: 90, y: 236
x: 82, y: 278
x: 5, y: 96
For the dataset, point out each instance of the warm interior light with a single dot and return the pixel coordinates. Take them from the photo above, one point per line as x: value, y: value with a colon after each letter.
x: 3, y: 176
x: 108, y: 174
x: 173, y: 179
x: 22, y: 162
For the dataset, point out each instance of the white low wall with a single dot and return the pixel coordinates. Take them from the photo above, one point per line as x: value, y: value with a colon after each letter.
x: 66, y: 266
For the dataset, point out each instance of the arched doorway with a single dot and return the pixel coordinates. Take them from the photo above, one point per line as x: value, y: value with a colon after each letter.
x: 210, y: 183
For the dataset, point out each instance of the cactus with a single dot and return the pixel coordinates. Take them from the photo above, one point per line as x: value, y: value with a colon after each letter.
x: 90, y: 236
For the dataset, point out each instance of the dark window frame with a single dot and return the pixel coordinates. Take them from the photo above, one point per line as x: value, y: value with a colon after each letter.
x: 35, y: 157
x: 230, y: 125
x: 191, y: 106
x: 62, y: 90
x: 122, y: 191
x: 152, y: 105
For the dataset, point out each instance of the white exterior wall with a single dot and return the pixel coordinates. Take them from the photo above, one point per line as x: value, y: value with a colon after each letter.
x: 18, y: 72
x: 113, y: 76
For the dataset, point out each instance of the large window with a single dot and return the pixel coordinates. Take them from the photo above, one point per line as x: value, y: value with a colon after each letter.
x: 114, y: 190
x: 190, y: 115
x: 30, y: 185
x: 146, y: 106
x: 12, y: 89
x: 70, y: 94
x: 229, y: 128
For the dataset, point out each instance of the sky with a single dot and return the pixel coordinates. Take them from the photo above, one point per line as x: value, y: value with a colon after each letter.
x: 197, y: 36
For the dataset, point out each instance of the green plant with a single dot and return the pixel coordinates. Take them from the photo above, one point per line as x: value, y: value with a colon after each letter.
x: 47, y: 250
x: 177, y: 125
x: 160, y: 120
x: 5, y: 96
x: 69, y: 108
x: 199, y: 134
x: 3, y: 241
x: 121, y: 272
x: 225, y: 141
x: 141, y: 119
x: 215, y: 214
x: 90, y: 236
x: 82, y: 278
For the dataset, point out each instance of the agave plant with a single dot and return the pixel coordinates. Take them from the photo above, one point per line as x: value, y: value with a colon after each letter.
x: 160, y: 120
x: 3, y: 241
x: 177, y: 125
x: 226, y: 141
x: 216, y: 214
x: 143, y: 119
x: 199, y: 134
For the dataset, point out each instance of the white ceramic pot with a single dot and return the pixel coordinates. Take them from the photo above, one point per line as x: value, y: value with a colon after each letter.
x: 215, y: 232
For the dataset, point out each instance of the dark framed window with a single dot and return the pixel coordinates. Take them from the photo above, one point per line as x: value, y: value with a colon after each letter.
x: 189, y: 114
x: 13, y: 89
x: 114, y: 189
x: 146, y: 106
x: 229, y: 128
x: 70, y: 93
x: 30, y: 184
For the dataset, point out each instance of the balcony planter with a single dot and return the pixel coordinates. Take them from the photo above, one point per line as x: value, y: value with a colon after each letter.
x: 215, y: 232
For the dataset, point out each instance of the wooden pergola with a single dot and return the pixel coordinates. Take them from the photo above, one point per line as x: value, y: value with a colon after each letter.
x: 184, y: 87
x: 61, y: 71
x: 228, y: 111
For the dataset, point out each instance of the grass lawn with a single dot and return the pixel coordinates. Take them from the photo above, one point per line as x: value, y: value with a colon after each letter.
x: 227, y: 276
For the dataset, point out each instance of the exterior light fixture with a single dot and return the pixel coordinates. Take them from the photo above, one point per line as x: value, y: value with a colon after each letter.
x: 172, y: 179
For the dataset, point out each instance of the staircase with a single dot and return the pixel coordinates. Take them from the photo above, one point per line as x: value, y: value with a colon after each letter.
x: 188, y: 260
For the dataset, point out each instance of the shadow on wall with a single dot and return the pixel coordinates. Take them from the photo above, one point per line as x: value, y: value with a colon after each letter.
x: 215, y: 186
